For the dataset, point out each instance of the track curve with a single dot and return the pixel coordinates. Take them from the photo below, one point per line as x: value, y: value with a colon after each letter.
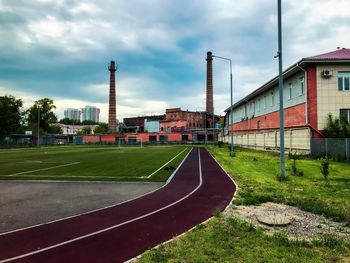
x: 199, y: 188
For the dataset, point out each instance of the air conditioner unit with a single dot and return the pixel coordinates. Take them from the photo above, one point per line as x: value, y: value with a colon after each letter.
x: 327, y: 73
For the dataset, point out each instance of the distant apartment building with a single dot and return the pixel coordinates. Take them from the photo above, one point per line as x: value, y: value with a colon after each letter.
x: 72, y: 114
x: 91, y: 113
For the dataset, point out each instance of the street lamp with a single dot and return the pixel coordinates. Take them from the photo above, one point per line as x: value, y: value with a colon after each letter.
x: 38, y: 126
x: 231, y: 107
x: 280, y: 85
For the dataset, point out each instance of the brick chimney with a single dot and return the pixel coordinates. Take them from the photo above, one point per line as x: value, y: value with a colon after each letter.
x: 209, y: 102
x: 112, y: 103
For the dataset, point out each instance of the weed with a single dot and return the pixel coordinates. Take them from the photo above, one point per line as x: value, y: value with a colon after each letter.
x: 217, y: 214
x: 330, y: 241
x: 325, y: 168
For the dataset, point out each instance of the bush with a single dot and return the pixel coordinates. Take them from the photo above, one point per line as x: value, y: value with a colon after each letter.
x: 325, y: 168
x: 295, y: 171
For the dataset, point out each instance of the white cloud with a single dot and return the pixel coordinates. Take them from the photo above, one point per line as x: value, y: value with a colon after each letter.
x: 245, y: 31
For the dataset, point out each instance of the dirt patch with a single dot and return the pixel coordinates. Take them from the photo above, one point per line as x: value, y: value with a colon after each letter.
x: 302, y: 224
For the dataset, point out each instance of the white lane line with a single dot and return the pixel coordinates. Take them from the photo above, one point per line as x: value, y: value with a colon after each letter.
x: 99, y: 209
x: 115, y: 226
x: 149, y: 176
x: 44, y: 169
x: 229, y: 176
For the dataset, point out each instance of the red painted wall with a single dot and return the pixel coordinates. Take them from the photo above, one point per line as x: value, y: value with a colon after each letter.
x: 312, y: 96
x: 293, y: 116
x: 108, y: 138
x: 91, y: 138
x: 172, y: 137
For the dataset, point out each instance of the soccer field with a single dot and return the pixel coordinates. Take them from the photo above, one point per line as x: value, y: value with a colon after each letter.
x: 91, y: 163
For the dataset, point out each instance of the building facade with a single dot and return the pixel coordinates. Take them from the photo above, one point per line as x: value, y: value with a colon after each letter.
x: 72, y: 114
x: 140, y: 122
x: 187, y: 119
x: 313, y: 88
x: 91, y: 113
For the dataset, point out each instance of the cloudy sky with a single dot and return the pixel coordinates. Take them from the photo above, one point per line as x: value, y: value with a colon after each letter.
x: 60, y: 49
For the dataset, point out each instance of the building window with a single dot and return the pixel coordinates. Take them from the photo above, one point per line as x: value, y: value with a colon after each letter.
x: 290, y: 91
x: 344, y: 80
x: 265, y: 102
x: 344, y: 114
x: 301, y: 86
x: 258, y: 105
x: 272, y: 99
x: 258, y: 124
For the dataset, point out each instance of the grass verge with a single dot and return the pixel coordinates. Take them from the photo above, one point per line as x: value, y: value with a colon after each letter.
x: 255, y: 173
x: 233, y: 240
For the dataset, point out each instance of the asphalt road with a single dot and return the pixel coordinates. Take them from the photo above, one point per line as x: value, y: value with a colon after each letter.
x: 26, y: 203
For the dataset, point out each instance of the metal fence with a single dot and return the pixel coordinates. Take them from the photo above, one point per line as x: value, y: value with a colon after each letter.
x: 336, y: 148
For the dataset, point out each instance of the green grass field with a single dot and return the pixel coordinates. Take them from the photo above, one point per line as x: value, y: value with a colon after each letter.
x: 90, y: 163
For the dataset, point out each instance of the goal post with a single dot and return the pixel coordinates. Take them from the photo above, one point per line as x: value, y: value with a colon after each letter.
x: 130, y: 142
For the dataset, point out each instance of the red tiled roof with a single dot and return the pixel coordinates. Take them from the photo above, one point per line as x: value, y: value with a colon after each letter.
x: 343, y: 53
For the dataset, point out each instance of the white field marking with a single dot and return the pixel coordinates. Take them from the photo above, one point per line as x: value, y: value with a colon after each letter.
x: 96, y: 210
x: 115, y: 226
x: 149, y: 176
x: 44, y: 169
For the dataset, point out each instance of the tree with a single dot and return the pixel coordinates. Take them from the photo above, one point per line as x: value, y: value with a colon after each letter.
x: 101, y: 128
x: 88, y: 122
x: 56, y: 129
x: 45, y: 108
x: 336, y: 128
x: 11, y: 115
x: 86, y: 130
x: 68, y: 121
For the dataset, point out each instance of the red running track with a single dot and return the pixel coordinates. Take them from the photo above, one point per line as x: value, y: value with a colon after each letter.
x: 199, y: 188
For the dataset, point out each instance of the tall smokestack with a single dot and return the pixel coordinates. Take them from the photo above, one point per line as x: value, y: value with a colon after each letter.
x: 112, y: 104
x: 210, y: 107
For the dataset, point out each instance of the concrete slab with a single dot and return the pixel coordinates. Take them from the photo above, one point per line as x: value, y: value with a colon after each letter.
x: 26, y: 203
x: 274, y: 219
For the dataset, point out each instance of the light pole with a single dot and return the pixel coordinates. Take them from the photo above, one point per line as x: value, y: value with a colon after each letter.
x: 280, y: 85
x: 38, y: 126
x: 231, y: 107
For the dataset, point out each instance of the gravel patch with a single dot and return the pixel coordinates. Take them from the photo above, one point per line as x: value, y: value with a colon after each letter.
x: 303, y: 225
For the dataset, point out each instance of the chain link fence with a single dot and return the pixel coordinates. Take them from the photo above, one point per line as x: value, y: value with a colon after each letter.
x: 336, y: 148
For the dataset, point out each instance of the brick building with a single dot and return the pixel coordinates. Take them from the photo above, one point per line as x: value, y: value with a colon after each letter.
x: 313, y: 88
x: 139, y: 122
x: 185, y: 119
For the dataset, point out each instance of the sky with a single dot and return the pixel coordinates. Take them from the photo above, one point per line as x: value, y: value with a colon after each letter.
x: 61, y: 49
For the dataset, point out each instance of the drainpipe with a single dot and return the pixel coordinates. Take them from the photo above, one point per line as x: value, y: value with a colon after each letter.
x: 306, y: 95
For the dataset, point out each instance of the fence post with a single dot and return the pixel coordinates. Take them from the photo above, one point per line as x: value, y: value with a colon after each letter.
x: 347, y: 148
x: 326, y: 146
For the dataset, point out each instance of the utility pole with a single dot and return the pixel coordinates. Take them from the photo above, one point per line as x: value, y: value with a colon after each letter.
x: 38, y: 126
x: 280, y: 85
x: 231, y: 107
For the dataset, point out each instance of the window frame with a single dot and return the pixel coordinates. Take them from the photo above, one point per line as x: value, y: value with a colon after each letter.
x: 272, y: 99
x: 347, y: 114
x: 342, y: 77
x: 301, y: 86
x: 290, y: 91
